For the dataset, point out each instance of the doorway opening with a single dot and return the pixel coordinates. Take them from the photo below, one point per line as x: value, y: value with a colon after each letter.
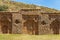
x: 55, y: 26
x: 31, y: 24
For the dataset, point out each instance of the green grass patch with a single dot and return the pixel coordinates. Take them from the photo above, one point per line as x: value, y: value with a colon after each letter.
x: 28, y: 37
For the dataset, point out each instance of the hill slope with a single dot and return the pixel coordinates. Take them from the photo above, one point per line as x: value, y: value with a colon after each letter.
x: 16, y: 6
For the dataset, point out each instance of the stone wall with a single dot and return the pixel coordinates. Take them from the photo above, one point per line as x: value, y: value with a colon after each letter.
x: 30, y: 22
x: 50, y: 24
x: 16, y: 23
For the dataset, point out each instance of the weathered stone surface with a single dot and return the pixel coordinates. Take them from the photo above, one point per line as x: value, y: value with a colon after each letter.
x: 29, y: 21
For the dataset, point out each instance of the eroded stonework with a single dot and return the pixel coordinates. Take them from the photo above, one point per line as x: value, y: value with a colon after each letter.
x: 29, y: 21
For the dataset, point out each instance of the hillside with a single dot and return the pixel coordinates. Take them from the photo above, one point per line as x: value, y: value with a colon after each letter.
x: 16, y: 6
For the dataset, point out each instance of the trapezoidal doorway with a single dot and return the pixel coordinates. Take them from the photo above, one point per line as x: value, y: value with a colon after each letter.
x: 6, y: 23
x: 30, y: 24
x: 55, y: 26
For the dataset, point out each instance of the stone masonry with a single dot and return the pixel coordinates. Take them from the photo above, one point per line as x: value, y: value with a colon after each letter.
x: 29, y: 21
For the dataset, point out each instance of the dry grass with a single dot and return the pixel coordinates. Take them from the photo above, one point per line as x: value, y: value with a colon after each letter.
x: 28, y: 37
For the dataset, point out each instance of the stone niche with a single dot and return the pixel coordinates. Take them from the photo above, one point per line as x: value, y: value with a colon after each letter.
x: 5, y: 23
x: 55, y: 23
x: 30, y: 24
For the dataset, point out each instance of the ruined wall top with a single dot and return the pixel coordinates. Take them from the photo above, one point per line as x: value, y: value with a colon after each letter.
x: 30, y: 11
x: 4, y: 12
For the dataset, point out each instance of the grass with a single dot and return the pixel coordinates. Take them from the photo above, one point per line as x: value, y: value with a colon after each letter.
x: 28, y: 37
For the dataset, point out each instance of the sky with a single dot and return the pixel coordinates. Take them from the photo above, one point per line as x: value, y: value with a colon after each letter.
x: 47, y: 3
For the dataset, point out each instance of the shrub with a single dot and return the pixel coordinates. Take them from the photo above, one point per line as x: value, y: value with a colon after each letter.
x: 3, y: 8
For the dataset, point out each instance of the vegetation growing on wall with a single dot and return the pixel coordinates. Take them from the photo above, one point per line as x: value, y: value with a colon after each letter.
x: 3, y: 8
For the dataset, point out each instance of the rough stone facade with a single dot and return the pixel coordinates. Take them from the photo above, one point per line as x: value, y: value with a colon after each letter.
x: 29, y: 21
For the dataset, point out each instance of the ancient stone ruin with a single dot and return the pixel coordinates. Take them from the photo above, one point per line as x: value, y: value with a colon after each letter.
x: 29, y: 21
